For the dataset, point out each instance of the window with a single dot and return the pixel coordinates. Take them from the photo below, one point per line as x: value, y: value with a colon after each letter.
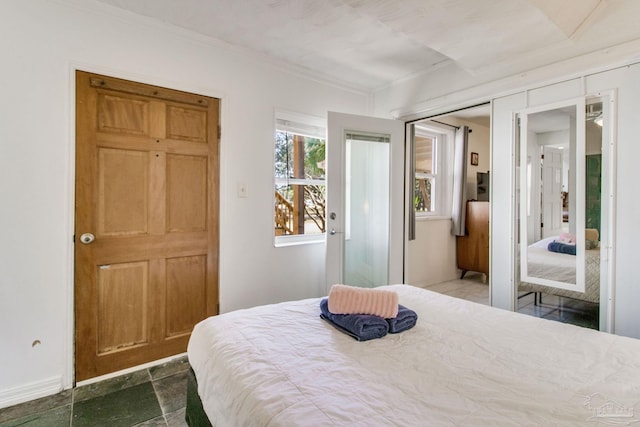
x: 432, y: 180
x: 300, y: 191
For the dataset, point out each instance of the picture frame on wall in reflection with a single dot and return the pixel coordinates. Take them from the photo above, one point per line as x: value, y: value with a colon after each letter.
x: 474, y: 159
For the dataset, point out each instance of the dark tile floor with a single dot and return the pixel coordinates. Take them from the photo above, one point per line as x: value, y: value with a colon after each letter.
x: 150, y: 397
x: 561, y: 309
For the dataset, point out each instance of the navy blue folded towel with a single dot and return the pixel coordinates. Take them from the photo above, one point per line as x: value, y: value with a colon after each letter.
x: 362, y: 327
x: 561, y: 248
x: 406, y: 319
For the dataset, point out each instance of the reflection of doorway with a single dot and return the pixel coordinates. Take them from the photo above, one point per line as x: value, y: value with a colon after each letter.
x: 551, y: 220
x: 146, y: 221
x: 431, y: 258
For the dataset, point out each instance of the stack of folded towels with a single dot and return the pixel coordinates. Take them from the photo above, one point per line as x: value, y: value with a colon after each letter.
x: 366, y: 313
x: 564, y: 244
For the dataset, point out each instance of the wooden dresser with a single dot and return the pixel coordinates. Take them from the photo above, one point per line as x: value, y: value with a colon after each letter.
x: 472, y: 249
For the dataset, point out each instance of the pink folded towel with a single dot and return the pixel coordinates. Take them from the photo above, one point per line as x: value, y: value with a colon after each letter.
x: 567, y: 238
x: 353, y: 300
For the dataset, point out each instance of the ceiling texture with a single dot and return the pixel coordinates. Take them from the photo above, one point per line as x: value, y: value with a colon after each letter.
x: 371, y: 43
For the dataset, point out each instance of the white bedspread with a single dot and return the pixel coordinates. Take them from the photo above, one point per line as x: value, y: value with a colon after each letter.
x: 463, y: 364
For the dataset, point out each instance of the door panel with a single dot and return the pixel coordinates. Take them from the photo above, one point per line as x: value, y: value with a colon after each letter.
x: 186, y: 287
x: 186, y: 172
x: 147, y: 188
x: 123, y: 201
x: 366, y: 248
x: 123, y: 115
x: 186, y: 124
x: 122, y: 300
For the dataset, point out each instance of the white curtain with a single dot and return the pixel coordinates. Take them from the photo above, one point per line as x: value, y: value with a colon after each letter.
x: 459, y: 210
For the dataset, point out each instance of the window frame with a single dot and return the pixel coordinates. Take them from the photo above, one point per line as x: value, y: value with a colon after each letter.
x: 442, y: 165
x: 306, y: 125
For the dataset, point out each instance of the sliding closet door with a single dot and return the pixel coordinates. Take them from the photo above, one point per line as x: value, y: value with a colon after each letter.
x: 564, y: 199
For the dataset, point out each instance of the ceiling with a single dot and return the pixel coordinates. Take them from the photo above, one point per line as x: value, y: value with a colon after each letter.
x: 369, y: 44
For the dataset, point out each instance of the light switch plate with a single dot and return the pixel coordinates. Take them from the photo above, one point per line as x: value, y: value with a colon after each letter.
x: 243, y: 190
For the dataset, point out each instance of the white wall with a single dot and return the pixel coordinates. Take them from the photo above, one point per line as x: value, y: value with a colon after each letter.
x: 41, y: 44
x: 417, y: 94
x: 431, y: 257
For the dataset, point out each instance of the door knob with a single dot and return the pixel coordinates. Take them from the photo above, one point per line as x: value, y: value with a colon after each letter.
x: 332, y: 231
x: 87, y: 238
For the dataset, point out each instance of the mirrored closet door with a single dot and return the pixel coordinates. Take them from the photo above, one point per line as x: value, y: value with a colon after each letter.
x: 561, y: 219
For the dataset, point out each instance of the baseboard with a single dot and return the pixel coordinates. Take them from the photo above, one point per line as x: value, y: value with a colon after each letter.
x: 30, y: 391
x: 54, y: 385
x: 129, y: 370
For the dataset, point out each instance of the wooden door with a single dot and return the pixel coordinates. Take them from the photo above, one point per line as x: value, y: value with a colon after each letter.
x: 147, y: 190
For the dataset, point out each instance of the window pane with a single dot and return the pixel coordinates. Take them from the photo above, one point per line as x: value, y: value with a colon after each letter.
x: 424, y: 197
x: 290, y: 220
x: 424, y: 147
x: 299, y: 156
x: 284, y: 156
x: 424, y: 194
x: 314, y: 158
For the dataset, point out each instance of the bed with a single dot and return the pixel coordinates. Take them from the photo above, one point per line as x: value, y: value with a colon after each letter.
x: 462, y: 364
x: 562, y: 267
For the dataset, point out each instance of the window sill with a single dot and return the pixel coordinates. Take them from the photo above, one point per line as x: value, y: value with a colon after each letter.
x: 432, y: 218
x: 285, y: 241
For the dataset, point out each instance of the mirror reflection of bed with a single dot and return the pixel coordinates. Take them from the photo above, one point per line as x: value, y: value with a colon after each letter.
x: 565, y: 305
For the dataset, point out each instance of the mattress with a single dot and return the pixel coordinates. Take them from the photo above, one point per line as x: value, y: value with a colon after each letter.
x: 462, y: 364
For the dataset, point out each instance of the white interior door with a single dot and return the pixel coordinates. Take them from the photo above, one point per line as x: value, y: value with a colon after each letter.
x: 365, y: 187
x: 551, y: 191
